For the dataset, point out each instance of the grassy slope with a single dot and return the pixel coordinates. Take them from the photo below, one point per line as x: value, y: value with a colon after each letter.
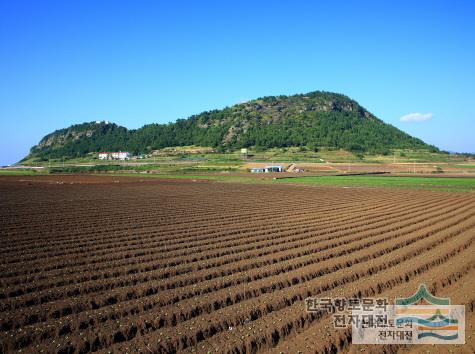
x: 201, y: 163
x: 293, y: 154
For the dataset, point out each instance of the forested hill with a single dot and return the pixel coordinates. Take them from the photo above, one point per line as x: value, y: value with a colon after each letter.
x: 316, y: 119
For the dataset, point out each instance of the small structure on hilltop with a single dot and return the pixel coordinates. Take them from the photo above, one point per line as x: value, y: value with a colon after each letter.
x: 121, y: 155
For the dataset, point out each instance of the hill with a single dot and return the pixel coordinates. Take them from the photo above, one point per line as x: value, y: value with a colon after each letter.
x: 315, y: 119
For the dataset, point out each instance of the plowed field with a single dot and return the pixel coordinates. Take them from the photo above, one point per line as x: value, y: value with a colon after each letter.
x: 122, y: 265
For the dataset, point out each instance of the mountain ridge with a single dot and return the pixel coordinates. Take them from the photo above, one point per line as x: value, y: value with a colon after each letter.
x: 314, y: 119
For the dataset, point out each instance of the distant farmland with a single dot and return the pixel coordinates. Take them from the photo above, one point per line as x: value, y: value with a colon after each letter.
x: 128, y: 264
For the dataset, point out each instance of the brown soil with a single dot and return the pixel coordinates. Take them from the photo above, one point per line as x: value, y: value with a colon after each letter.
x: 126, y: 264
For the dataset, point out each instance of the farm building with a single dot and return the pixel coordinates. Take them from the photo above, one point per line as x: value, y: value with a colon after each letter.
x: 267, y: 169
x: 273, y: 169
x: 121, y: 155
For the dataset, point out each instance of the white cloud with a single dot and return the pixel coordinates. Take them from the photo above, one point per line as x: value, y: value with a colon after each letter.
x: 416, y: 117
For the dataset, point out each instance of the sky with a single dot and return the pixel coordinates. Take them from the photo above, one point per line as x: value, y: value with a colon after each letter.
x: 411, y: 63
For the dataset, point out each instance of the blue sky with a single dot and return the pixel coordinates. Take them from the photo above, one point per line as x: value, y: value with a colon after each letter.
x: 138, y: 62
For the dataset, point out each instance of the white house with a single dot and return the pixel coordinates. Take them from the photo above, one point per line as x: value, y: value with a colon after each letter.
x: 121, y: 155
x: 103, y: 155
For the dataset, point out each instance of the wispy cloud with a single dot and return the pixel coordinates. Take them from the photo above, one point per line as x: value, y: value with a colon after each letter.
x: 416, y: 117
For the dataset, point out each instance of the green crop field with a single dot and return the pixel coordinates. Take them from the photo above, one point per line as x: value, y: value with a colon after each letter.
x: 438, y: 183
x: 427, y: 183
x: 20, y: 172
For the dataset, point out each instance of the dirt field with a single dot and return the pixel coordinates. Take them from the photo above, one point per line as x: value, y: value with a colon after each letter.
x: 124, y: 265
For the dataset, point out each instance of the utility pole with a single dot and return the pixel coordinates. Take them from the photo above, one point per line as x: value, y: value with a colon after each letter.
x: 414, y: 164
